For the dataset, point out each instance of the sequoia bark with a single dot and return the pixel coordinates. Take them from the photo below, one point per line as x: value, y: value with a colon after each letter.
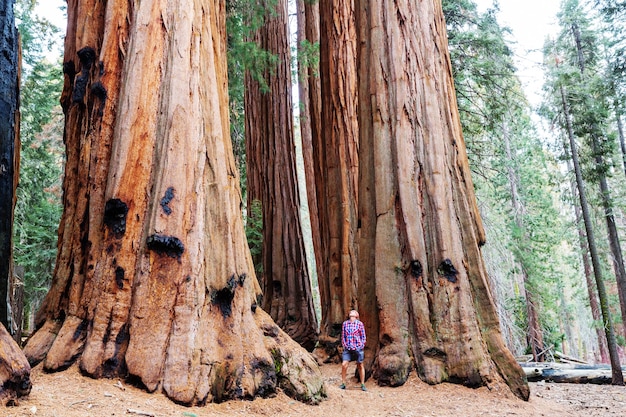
x: 153, y: 278
x: 423, y: 290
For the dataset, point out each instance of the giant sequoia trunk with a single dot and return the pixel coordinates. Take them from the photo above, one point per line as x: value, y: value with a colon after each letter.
x: 153, y: 278
x: 338, y: 150
x: 423, y: 289
x: 272, y: 180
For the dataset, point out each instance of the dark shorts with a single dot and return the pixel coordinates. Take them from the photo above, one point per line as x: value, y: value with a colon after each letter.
x: 350, y: 355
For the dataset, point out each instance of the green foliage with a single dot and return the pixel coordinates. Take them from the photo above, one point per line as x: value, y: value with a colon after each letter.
x: 516, y: 178
x: 584, y: 87
x: 482, y: 67
x: 245, y: 55
x: 245, y: 58
x: 309, y: 57
x: 39, y: 206
x: 254, y: 234
x: 37, y: 34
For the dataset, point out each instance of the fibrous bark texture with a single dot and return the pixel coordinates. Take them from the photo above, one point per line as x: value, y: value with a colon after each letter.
x: 14, y: 370
x: 153, y: 278
x: 272, y: 180
x: 338, y: 150
x: 423, y: 289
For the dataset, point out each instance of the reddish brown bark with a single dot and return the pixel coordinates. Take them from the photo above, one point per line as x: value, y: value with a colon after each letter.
x: 423, y: 288
x: 272, y: 180
x: 14, y: 370
x: 153, y: 279
x: 338, y: 150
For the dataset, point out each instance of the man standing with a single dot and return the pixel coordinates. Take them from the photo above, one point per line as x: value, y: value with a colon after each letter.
x: 353, y: 341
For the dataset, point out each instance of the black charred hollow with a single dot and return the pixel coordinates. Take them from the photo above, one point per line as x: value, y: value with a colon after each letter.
x: 99, y: 91
x: 166, y: 245
x: 69, y: 69
x: 416, y: 269
x: 473, y: 380
x: 335, y: 330
x: 87, y: 56
x: 242, y: 279
x: 81, y: 330
x: 119, y: 277
x: 447, y: 270
x: 115, y: 365
x: 80, y: 87
x: 268, y: 383
x: 122, y: 337
x: 436, y: 353
x: 277, y: 287
x: 165, y: 201
x: 270, y: 330
x: 223, y: 299
x: 115, y: 211
x: 232, y: 282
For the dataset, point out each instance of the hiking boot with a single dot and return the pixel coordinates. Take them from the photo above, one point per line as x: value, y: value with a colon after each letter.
x: 363, y: 387
x: 342, y: 386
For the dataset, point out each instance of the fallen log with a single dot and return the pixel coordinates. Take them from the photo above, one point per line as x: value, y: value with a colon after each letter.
x: 568, y: 372
x: 14, y: 370
x: 568, y: 359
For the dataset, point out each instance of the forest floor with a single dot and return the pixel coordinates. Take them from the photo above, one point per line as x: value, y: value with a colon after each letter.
x: 69, y: 394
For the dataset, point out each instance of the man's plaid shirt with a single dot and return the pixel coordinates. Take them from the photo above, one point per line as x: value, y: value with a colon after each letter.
x: 353, y: 335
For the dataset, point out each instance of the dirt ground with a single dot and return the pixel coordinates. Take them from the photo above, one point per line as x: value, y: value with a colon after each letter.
x: 68, y: 394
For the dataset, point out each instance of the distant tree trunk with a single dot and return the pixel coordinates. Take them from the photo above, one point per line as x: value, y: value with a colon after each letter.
x: 9, y: 151
x: 14, y: 368
x: 603, y: 352
x: 310, y: 118
x: 534, y: 335
x: 617, y: 377
x: 423, y: 288
x: 622, y: 141
x: 338, y: 147
x: 605, y: 194
x: 272, y: 179
x: 153, y: 279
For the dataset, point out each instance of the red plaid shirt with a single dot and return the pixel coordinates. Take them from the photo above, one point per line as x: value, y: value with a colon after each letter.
x: 353, y: 335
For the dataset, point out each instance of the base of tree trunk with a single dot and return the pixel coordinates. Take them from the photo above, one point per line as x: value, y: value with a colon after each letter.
x: 254, y: 367
x: 14, y: 370
x: 327, y: 350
